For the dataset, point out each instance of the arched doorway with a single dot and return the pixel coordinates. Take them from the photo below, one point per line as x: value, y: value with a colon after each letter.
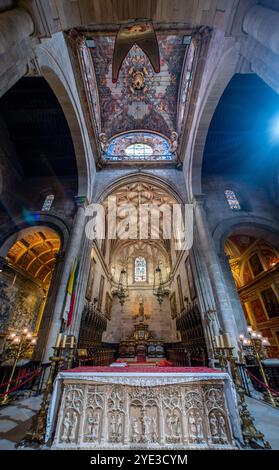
x: 254, y: 263
x: 25, y: 279
x: 139, y: 259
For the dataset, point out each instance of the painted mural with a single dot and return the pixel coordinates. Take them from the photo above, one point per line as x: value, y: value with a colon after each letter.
x: 141, y: 98
x: 185, y: 84
x: 90, y: 85
x: 20, y: 302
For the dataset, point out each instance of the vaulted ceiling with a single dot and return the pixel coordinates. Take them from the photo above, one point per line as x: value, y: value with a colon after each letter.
x: 34, y: 253
x: 141, y: 100
x: 152, y: 107
x: 38, y: 129
x: 239, y: 139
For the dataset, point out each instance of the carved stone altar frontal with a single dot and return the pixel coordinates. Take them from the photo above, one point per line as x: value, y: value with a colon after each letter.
x: 143, y: 414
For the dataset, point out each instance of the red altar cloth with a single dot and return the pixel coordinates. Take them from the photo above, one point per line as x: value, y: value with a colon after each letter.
x: 150, y: 369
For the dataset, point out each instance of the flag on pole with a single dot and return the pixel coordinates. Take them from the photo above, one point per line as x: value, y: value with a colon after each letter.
x: 71, y: 293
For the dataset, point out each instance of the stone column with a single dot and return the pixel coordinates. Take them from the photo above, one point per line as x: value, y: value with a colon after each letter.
x: 15, y: 25
x: 72, y: 251
x: 218, y: 283
x: 233, y: 294
x: 84, y: 267
x: 262, y: 24
x: 48, y: 310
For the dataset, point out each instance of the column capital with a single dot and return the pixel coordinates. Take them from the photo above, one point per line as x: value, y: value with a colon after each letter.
x: 199, y: 200
x: 81, y: 201
x: 224, y: 257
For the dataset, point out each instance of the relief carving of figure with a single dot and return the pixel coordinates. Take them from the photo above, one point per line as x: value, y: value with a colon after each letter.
x: 213, y: 425
x: 119, y: 425
x: 145, y: 425
x: 73, y: 427
x: 173, y: 422
x: 113, y: 425
x: 153, y: 429
x: 93, y: 425
x: 195, y: 426
x: 70, y: 422
x: 135, y: 430
x: 66, y: 426
x: 222, y: 427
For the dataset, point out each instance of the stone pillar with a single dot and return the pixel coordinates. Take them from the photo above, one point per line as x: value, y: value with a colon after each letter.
x: 233, y: 295
x: 15, y: 25
x: 84, y: 267
x: 72, y: 251
x: 207, y: 305
x: 48, y: 310
x: 262, y: 24
x: 217, y: 280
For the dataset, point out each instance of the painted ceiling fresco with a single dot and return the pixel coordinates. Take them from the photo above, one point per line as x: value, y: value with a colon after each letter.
x: 141, y: 100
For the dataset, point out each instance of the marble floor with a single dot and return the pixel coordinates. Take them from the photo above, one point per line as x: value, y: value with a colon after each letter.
x: 15, y: 420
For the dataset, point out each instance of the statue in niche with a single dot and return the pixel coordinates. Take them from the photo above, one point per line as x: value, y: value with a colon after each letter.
x: 195, y: 426
x: 119, y: 426
x: 145, y: 424
x: 113, y: 425
x: 153, y: 429
x: 66, y: 426
x: 222, y: 427
x: 141, y: 315
x: 73, y: 427
x: 173, y: 422
x: 69, y: 427
x: 116, y: 428
x: 93, y: 425
x: 213, y: 425
x: 135, y: 430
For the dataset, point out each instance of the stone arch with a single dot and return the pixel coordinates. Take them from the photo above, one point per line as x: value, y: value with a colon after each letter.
x: 265, y: 228
x: 216, y: 84
x: 139, y: 177
x: 63, y: 85
x: 12, y: 228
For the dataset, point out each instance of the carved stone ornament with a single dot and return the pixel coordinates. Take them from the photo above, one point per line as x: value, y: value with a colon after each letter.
x: 143, y: 412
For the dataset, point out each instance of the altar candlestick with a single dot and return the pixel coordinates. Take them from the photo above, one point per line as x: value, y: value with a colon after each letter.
x: 63, y: 344
x: 58, y: 340
x: 227, y: 340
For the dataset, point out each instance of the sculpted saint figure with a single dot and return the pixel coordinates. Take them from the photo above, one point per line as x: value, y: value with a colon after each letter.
x: 213, y: 425
x: 73, y: 427
x: 66, y: 426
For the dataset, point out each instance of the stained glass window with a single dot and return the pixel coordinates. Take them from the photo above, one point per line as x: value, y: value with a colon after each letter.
x: 140, y: 270
x: 48, y: 202
x: 138, y: 150
x: 232, y: 200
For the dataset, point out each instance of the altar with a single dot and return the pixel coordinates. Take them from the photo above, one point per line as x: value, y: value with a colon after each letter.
x: 141, y: 345
x: 143, y: 408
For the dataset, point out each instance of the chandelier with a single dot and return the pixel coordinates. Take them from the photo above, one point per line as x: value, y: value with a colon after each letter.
x: 158, y: 289
x: 122, y: 291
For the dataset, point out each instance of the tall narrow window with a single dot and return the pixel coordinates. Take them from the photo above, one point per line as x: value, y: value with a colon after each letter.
x: 232, y: 200
x: 101, y: 291
x: 179, y: 286
x: 140, y: 269
x: 48, y: 202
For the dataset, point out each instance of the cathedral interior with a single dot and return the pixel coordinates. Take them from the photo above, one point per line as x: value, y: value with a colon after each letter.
x: 113, y: 329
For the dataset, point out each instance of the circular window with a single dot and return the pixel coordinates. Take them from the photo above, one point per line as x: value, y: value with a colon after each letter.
x: 138, y: 150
